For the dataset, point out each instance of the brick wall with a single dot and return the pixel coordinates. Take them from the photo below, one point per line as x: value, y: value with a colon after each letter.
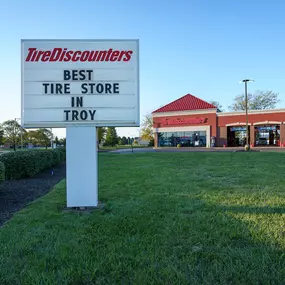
x: 221, y: 136
x: 252, y: 118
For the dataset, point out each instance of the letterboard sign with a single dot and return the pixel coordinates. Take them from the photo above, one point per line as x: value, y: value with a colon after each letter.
x: 80, y: 83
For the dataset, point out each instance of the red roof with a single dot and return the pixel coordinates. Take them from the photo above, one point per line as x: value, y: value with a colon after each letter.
x: 186, y: 103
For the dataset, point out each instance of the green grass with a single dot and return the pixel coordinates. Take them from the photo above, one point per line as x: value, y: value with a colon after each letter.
x: 170, y: 218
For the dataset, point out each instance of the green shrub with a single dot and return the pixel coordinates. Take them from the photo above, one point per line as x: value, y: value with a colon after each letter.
x: 61, y: 152
x: 56, y: 158
x: 2, y: 171
x: 28, y: 163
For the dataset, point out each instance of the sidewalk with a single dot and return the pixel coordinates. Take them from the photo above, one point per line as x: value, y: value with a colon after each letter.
x: 217, y: 149
x: 199, y: 149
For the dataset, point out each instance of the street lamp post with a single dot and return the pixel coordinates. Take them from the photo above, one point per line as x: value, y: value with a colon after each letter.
x: 245, y: 81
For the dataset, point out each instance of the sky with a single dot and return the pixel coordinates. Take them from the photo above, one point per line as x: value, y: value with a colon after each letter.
x: 201, y: 47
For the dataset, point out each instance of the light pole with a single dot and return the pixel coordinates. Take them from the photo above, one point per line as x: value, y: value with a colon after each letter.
x: 245, y: 81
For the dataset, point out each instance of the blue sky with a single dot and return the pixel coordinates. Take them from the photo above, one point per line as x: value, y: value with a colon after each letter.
x: 202, y: 47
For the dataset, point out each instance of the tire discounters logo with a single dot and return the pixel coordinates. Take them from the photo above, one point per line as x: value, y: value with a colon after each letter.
x: 189, y: 121
x: 80, y: 83
x: 66, y: 55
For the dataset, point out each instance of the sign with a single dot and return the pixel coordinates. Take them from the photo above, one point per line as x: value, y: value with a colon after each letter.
x: 237, y: 129
x: 186, y: 121
x: 268, y: 128
x: 80, y: 83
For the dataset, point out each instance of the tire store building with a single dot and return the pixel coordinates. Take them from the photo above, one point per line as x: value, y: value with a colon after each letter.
x: 192, y: 122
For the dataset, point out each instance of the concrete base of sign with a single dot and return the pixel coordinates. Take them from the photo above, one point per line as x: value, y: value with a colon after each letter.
x: 100, y: 207
x: 81, y: 167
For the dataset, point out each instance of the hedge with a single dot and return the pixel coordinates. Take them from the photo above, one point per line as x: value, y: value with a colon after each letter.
x: 2, y: 171
x: 28, y: 163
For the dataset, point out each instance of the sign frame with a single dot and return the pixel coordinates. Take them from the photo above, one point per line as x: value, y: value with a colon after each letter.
x: 65, y: 124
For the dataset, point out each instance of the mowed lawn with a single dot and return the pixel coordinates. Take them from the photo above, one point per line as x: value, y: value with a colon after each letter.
x: 169, y: 218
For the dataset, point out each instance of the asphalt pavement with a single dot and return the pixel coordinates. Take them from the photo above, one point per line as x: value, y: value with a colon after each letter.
x: 198, y: 149
x: 135, y: 150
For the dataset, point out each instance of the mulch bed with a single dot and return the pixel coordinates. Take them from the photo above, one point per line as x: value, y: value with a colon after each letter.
x: 16, y: 194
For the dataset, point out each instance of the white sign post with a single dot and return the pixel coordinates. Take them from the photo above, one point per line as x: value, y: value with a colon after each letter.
x: 80, y: 85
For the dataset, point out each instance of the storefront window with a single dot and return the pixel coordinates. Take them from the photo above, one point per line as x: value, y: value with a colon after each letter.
x: 185, y: 139
x: 203, y: 138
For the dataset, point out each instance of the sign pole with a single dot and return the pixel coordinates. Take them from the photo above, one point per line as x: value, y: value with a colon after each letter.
x: 81, y: 167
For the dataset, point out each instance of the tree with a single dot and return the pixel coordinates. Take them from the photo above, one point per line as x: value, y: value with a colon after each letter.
x: 217, y: 105
x: 1, y: 136
x: 260, y: 100
x: 12, y: 132
x: 32, y: 137
x: 120, y: 141
x: 56, y: 140
x: 111, y: 137
x: 62, y: 141
x: 124, y: 140
x: 101, y: 134
x: 44, y: 136
x: 146, y: 129
x: 151, y: 142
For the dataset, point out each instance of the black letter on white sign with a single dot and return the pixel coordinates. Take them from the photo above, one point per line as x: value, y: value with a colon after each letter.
x: 79, y: 102
x: 66, y: 114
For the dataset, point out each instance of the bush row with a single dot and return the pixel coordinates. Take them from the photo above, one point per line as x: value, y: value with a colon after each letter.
x: 28, y: 163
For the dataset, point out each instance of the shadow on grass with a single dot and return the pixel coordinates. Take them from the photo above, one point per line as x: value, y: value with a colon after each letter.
x: 138, y: 241
x: 227, y: 249
x: 252, y: 210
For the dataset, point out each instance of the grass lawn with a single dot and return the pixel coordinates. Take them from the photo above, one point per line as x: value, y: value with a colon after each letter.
x: 170, y: 218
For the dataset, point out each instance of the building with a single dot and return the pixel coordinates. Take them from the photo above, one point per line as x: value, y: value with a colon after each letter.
x: 190, y: 121
x: 141, y: 141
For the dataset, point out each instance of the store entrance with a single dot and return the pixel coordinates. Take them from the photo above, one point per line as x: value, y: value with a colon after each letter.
x: 237, y: 136
x: 196, y: 139
x: 183, y: 139
x: 267, y: 135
